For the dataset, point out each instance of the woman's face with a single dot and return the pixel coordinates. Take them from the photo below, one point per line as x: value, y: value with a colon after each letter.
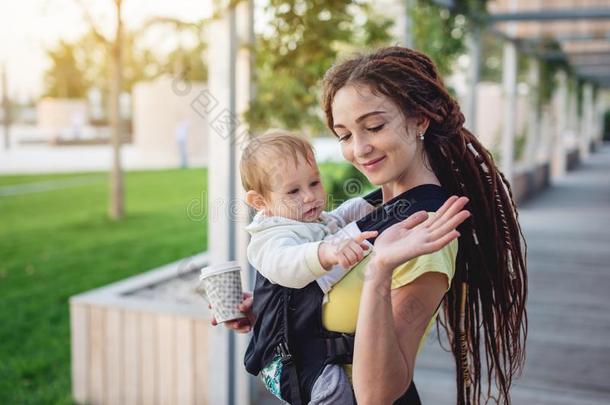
x: 376, y: 137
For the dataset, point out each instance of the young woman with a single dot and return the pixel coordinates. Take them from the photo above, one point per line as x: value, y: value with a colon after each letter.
x: 398, y: 125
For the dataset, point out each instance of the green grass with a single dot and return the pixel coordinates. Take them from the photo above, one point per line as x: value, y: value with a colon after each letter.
x: 58, y: 243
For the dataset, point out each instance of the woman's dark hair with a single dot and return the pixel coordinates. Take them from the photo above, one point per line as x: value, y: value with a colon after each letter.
x: 488, y: 292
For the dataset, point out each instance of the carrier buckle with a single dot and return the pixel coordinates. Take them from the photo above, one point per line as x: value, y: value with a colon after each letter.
x: 284, y: 353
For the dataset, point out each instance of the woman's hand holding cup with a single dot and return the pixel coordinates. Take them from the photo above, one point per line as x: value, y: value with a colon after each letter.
x: 241, y: 325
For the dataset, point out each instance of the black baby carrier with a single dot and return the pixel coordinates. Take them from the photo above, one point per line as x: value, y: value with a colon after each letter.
x: 289, y: 345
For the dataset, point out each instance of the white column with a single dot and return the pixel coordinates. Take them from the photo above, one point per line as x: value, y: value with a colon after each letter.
x: 509, y: 78
x: 558, y: 154
x: 598, y: 119
x: 580, y: 121
x: 243, y: 66
x: 509, y: 82
x: 474, y: 51
x: 533, y: 121
x: 594, y: 116
x: 573, y: 121
x: 229, y: 93
x: 587, y: 120
x: 219, y: 226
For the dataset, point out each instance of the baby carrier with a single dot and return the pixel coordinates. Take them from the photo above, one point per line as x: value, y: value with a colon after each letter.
x: 289, y: 346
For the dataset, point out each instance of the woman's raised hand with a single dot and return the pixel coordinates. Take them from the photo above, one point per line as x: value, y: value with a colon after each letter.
x: 419, y: 235
x: 241, y: 325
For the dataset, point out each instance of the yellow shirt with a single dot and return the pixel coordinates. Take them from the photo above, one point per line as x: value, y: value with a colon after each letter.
x: 340, y: 312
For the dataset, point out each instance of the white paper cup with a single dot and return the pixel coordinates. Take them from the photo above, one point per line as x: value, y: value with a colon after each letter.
x: 220, y: 285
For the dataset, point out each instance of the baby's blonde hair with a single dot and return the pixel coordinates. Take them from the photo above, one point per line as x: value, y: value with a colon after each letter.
x: 261, y: 157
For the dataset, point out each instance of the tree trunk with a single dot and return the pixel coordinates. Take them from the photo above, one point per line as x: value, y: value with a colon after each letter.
x: 116, y: 205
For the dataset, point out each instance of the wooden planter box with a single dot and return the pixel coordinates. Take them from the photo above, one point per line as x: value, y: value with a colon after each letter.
x: 132, y: 345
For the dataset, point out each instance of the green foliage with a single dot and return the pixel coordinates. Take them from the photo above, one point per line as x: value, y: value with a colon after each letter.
x: 491, y: 55
x: 138, y: 63
x: 188, y: 63
x: 548, y: 74
x: 84, y: 64
x: 302, y: 39
x: 519, y: 145
x: 342, y: 182
x: 439, y: 33
x: 65, y: 77
x: 187, y: 59
x: 492, y: 51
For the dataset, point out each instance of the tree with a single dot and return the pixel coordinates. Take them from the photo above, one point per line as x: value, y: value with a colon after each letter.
x: 125, y: 69
x: 65, y: 78
x: 139, y: 62
x: 439, y: 33
x: 114, y: 49
x: 301, y: 41
x: 186, y: 62
x: 94, y: 59
x: 116, y: 204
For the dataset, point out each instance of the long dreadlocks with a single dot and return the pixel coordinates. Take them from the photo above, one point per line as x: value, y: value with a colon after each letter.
x: 485, y: 306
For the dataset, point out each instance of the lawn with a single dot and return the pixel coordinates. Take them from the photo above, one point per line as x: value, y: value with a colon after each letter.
x: 56, y: 241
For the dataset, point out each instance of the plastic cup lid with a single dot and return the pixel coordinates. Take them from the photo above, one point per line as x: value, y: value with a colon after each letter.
x: 219, y: 269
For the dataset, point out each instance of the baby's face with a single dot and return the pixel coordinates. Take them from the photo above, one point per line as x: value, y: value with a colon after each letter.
x: 296, y: 191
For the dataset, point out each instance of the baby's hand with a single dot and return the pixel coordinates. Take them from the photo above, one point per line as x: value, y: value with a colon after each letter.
x: 346, y: 252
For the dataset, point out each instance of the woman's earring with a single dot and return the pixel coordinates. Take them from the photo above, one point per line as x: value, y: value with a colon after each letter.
x: 421, y: 135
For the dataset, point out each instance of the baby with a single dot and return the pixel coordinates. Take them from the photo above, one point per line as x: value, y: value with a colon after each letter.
x: 288, y: 233
x: 293, y: 240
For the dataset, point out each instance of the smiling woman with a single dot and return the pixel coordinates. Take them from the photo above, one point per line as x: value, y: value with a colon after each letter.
x: 398, y: 125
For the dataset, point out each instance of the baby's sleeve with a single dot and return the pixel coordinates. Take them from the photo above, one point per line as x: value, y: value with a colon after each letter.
x: 351, y: 210
x: 285, y: 259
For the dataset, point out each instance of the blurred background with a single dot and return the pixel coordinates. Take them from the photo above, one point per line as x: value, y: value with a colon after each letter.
x: 123, y: 120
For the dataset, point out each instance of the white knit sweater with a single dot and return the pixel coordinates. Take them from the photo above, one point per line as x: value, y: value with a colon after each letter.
x: 285, y: 251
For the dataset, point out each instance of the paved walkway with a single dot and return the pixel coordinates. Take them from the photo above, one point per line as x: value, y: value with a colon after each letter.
x: 568, y: 349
